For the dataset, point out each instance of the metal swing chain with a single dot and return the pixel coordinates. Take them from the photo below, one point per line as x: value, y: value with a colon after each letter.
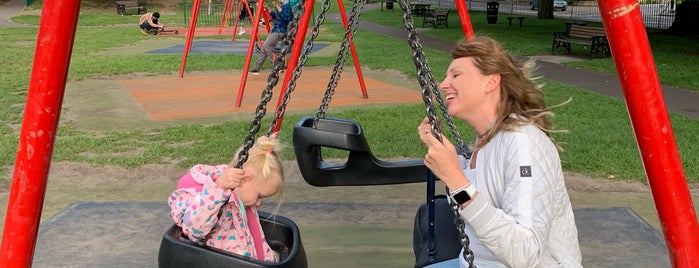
x: 460, y: 144
x: 266, y: 95
x: 422, y: 67
x: 424, y: 74
x: 429, y: 82
x: 352, y: 26
x: 308, y: 47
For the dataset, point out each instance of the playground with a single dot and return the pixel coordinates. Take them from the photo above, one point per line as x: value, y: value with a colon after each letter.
x: 115, y: 217
x: 324, y: 215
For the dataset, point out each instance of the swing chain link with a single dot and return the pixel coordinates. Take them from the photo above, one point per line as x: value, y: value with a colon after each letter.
x: 422, y: 67
x: 429, y: 87
x: 352, y: 26
x: 287, y: 42
x: 460, y: 225
x: 308, y: 47
x: 429, y: 83
x: 266, y: 96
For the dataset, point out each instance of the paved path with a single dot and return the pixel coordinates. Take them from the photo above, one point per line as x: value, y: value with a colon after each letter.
x: 10, y: 9
x: 678, y: 100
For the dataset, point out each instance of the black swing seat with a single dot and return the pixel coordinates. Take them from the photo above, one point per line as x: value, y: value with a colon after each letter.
x: 282, y: 234
x: 361, y: 167
x: 446, y: 244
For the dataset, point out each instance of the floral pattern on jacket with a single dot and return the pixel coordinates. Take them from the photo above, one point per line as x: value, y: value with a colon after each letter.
x: 215, y: 214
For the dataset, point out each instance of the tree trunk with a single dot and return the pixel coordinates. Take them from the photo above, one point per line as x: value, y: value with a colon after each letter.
x: 686, y: 19
x: 545, y: 8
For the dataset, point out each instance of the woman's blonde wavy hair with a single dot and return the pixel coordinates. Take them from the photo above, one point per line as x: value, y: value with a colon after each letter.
x: 520, y: 96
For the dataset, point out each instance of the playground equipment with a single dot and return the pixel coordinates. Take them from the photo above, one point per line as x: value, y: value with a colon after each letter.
x: 173, y: 244
x: 229, y: 6
x: 633, y: 59
x: 301, y: 19
x: 282, y: 234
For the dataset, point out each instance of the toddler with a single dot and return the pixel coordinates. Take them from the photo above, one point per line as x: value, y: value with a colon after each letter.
x: 217, y: 205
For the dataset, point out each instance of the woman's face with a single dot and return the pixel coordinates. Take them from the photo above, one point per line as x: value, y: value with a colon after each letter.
x: 254, y: 188
x: 465, y: 88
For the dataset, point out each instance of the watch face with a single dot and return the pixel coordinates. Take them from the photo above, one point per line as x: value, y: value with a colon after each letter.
x: 461, y: 197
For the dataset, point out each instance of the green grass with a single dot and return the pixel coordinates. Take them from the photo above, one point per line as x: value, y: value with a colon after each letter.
x: 676, y: 58
x: 600, y: 142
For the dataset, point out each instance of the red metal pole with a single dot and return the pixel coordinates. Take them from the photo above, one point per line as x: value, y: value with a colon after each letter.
x: 44, y: 97
x: 190, y: 34
x: 357, y: 68
x: 465, y: 19
x: 299, y: 41
x: 651, y: 124
x: 248, y: 57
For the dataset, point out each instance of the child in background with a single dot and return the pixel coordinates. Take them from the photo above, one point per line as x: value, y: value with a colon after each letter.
x: 217, y: 205
x: 282, y: 15
x: 244, y: 15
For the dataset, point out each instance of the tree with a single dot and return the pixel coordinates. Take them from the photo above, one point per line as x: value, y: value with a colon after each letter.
x: 545, y: 8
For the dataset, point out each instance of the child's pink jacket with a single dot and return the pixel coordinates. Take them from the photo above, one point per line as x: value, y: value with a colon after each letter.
x: 195, y: 207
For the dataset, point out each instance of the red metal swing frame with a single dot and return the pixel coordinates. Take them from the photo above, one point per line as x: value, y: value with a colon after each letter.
x: 632, y: 57
x: 301, y: 31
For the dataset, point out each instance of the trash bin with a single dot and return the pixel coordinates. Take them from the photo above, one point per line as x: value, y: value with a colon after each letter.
x: 389, y: 4
x: 492, y: 12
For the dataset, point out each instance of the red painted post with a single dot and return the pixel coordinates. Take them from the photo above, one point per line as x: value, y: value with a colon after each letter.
x: 190, y: 35
x: 248, y: 56
x: 465, y: 19
x: 43, y: 107
x: 299, y: 40
x: 357, y: 67
x: 651, y: 124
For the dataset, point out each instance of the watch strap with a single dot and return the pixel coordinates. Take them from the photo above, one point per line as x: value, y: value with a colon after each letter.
x: 463, y: 194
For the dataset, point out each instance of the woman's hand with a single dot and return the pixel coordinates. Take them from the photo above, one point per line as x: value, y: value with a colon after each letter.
x: 441, y: 157
x: 230, y: 178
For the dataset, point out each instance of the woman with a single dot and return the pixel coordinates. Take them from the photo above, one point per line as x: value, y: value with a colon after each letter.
x: 511, y: 192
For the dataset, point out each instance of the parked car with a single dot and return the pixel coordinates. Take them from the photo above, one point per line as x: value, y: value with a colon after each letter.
x: 557, y: 4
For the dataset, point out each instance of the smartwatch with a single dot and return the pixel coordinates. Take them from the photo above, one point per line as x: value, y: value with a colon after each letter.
x: 463, y: 194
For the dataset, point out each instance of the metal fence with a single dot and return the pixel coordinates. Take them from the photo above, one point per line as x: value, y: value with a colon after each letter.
x: 209, y: 14
x: 655, y: 16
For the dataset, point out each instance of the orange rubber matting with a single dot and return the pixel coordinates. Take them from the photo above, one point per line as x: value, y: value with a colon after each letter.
x: 213, y: 95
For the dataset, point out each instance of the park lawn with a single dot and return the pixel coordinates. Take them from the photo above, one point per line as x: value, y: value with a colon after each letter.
x: 599, y: 142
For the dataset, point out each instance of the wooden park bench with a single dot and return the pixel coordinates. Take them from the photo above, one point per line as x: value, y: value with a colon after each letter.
x: 419, y: 9
x: 595, y: 37
x: 520, y: 18
x: 122, y: 6
x: 436, y: 17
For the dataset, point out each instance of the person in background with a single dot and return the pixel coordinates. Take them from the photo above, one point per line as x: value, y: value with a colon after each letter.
x: 511, y: 192
x: 217, y: 205
x: 244, y: 15
x: 149, y: 23
x: 282, y: 15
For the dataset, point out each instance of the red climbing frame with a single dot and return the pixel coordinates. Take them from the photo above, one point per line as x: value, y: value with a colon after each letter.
x: 630, y: 49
